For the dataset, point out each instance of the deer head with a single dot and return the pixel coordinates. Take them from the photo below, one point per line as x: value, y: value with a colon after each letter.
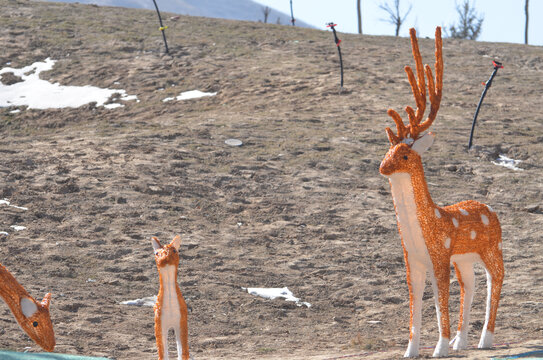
x: 37, y: 322
x: 408, y: 144
x: 167, y: 254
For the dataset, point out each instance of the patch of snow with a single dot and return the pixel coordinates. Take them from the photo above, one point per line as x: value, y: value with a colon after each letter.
x: 274, y: 293
x: 129, y: 97
x: 41, y: 94
x: 146, y: 301
x: 508, y: 163
x: 6, y: 202
x: 194, y: 94
x: 15, y: 111
x: 4, y: 233
x: 18, y: 227
x: 168, y: 99
x: 113, y: 106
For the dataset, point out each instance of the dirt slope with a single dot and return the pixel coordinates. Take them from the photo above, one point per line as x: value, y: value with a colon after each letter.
x: 300, y: 204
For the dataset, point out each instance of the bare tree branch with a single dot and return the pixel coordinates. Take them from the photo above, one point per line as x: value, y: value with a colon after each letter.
x: 395, y: 17
x: 469, y: 23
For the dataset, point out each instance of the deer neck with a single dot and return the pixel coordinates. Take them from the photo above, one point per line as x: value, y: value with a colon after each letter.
x: 12, y: 292
x: 413, y: 203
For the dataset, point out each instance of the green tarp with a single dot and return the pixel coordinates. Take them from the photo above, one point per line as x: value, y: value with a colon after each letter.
x: 12, y: 355
x: 532, y: 355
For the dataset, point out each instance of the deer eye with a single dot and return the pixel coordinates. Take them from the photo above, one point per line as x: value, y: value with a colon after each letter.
x: 405, y: 157
x: 174, y: 251
x: 35, y: 324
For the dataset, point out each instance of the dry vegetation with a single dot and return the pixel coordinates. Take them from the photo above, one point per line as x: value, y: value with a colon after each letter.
x: 300, y: 204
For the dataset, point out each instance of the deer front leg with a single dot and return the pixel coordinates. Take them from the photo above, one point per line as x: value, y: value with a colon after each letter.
x: 182, y: 334
x: 440, y: 286
x: 416, y: 278
x: 161, y: 336
x: 466, y: 278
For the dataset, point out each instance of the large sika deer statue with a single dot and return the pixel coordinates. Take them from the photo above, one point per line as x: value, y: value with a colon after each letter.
x: 170, y: 308
x: 435, y: 237
x: 32, y: 316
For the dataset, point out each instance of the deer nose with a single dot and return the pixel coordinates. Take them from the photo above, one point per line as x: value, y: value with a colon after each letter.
x: 385, y: 168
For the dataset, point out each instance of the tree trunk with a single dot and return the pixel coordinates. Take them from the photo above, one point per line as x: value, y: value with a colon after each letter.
x: 359, y: 10
x: 526, y: 25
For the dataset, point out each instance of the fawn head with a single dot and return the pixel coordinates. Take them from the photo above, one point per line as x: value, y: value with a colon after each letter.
x: 167, y: 254
x: 37, y: 322
x: 408, y: 144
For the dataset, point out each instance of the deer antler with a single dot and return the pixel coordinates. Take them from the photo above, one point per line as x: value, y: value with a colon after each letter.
x: 418, y: 86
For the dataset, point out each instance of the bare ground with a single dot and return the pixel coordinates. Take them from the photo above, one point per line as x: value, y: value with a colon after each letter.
x: 300, y: 204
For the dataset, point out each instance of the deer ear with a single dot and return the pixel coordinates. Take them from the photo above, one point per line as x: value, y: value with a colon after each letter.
x: 156, y: 244
x: 28, y: 307
x: 176, y: 242
x: 46, y: 301
x: 423, y: 143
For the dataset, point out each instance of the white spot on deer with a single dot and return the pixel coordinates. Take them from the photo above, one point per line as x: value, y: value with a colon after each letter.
x: 464, y: 212
x: 438, y: 214
x: 447, y: 242
x: 500, y: 245
x: 455, y: 222
x: 484, y: 218
x: 490, y: 209
x: 473, y: 234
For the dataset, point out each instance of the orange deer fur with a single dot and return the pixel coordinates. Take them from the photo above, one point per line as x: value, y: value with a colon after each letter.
x: 32, y: 316
x: 170, y: 308
x: 434, y: 237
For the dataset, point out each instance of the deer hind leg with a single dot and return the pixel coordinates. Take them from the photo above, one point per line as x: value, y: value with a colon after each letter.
x: 466, y: 278
x: 493, y: 263
x: 416, y: 278
x: 440, y: 286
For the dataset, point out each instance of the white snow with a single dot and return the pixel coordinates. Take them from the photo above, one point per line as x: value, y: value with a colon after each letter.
x: 15, y: 111
x: 508, y: 163
x: 41, y: 94
x: 194, y: 94
x: 18, y: 227
x: 6, y: 202
x: 113, y: 106
x: 3, y: 233
x: 274, y: 293
x: 146, y: 301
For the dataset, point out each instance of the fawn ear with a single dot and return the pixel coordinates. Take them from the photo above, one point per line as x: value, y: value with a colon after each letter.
x: 156, y: 244
x: 176, y: 242
x: 423, y: 143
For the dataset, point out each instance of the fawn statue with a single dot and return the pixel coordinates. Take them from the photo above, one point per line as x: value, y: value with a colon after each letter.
x: 170, y: 308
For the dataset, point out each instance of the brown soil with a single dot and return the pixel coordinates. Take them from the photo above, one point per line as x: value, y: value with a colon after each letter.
x: 301, y: 204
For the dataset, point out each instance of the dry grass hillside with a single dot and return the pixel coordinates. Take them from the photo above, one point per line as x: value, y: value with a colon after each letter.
x: 301, y: 204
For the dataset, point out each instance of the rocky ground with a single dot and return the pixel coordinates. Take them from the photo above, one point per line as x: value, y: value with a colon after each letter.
x: 300, y: 204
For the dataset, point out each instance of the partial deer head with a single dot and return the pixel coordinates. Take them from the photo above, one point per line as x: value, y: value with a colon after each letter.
x: 37, y: 322
x: 408, y: 144
x: 167, y: 254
